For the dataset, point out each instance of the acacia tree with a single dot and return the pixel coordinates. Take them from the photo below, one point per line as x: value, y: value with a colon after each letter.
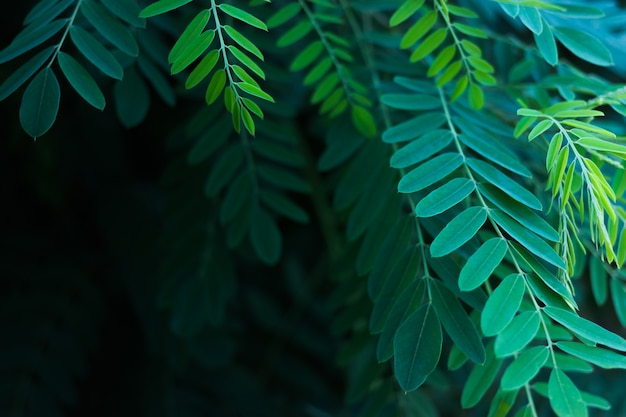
x: 435, y: 187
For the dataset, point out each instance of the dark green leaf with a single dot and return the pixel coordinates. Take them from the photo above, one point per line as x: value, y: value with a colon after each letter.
x: 417, y: 348
x: 109, y: 27
x: 480, y: 379
x: 127, y: 10
x: 23, y: 73
x: 265, y: 235
x: 456, y: 322
x: 81, y: 80
x: 132, y: 99
x: 96, y: 53
x: 27, y: 41
x: 40, y: 103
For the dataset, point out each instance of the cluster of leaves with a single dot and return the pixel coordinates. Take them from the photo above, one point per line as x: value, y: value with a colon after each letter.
x: 476, y: 174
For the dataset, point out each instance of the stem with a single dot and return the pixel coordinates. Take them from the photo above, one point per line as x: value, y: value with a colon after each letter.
x: 70, y: 22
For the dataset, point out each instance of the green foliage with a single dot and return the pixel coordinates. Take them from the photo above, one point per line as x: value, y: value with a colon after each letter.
x: 422, y: 213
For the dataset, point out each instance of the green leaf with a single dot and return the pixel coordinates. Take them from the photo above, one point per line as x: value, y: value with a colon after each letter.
x: 517, y: 334
x: 430, y: 172
x: 23, y: 73
x: 81, y: 80
x: 215, y: 87
x: 458, y: 231
x: 162, y: 6
x: 408, y: 8
x: 565, y: 397
x: 529, y: 240
x: 191, y: 32
x: 429, y: 44
x: 475, y: 96
x: 244, y: 16
x: 265, y: 235
x: 204, y: 67
x: 502, y: 305
x: 157, y: 80
x: 584, y: 46
x: 456, y: 322
x: 602, y: 145
x: 364, y: 121
x: 417, y: 348
x: 480, y: 379
x: 283, y: 15
x: 223, y: 170
x: 195, y: 47
x: 418, y: 29
x: 524, y: 367
x: 482, y: 263
x: 255, y: 91
x: 601, y: 357
x: 503, y: 182
x: 444, y: 197
x: 96, y: 53
x: 284, y: 206
x: 540, y: 128
x: 109, y: 27
x: 40, y: 103
x: 421, y: 148
x: 586, y: 328
x: 294, y: 34
x: 24, y: 42
x: 307, y: 56
x: 246, y: 60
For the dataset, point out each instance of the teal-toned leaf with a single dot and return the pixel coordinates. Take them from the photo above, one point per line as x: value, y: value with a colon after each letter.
x: 127, y: 10
x: 265, y: 235
x: 40, y: 103
x: 406, y: 10
x: 565, y: 397
x: 585, y: 328
x: 594, y: 401
x: 411, y: 101
x: 414, y: 127
x: 618, y: 296
x: 242, y: 15
x: 417, y: 348
x: 547, y: 45
x: 406, y: 304
x: 162, y: 6
x: 132, y: 99
x: 224, y: 169
x: 444, y: 197
x: 600, y: 357
x: 96, y: 53
x: 480, y: 379
x: 421, y: 148
x: 598, y: 277
x: 524, y: 367
x: 456, y: 233
x: 455, y: 320
x: 24, y: 42
x: 109, y: 27
x: 482, y: 263
x: 494, y: 151
x: 81, y: 80
x: 157, y: 80
x: 584, y: 45
x: 23, y: 73
x: 529, y: 240
x: 502, y: 305
x: 430, y: 172
x: 526, y: 217
x: 284, y: 206
x: 517, y: 334
x: 531, y: 18
x: 503, y: 182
